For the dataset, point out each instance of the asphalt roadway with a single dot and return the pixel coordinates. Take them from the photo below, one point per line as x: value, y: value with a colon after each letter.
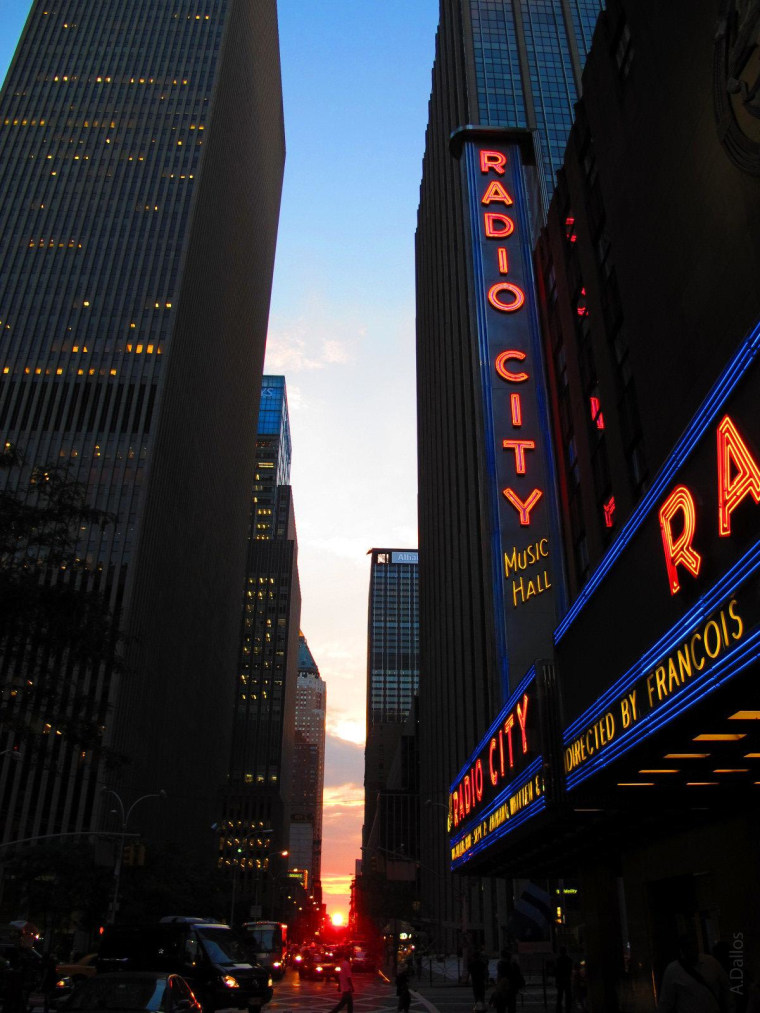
x: 375, y: 993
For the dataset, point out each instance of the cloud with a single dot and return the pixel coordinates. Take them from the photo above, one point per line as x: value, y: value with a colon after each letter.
x: 321, y: 337
x: 349, y: 729
x: 343, y: 796
x: 344, y: 762
x: 336, y: 352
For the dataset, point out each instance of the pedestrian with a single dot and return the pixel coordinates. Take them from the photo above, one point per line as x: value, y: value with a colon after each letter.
x: 509, y: 982
x: 694, y: 983
x: 580, y: 984
x: 402, y: 989
x: 563, y: 975
x: 15, y: 1000
x: 345, y: 987
x: 478, y: 969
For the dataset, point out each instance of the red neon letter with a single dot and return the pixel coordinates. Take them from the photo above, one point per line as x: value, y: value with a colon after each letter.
x: 506, y: 374
x: 491, y: 219
x: 492, y: 160
x: 503, y: 260
x: 491, y: 771
x: 508, y: 729
x: 506, y: 286
x: 522, y: 717
x: 516, y: 406
x: 609, y: 512
x: 519, y: 447
x: 679, y: 551
x: 525, y: 508
x: 733, y: 450
x: 496, y: 192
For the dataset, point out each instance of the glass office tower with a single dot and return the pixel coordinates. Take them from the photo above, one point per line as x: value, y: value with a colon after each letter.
x: 501, y: 65
x: 393, y: 663
x: 258, y: 795
x: 141, y: 146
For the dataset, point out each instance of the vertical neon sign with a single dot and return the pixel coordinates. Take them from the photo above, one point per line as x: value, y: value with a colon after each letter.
x: 524, y: 530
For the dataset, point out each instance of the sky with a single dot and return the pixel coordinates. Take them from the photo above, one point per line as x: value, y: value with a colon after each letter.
x: 356, y: 81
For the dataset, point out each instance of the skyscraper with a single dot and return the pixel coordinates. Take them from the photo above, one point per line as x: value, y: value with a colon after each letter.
x: 393, y: 662
x: 258, y: 796
x: 506, y: 76
x: 309, y: 762
x: 141, y: 146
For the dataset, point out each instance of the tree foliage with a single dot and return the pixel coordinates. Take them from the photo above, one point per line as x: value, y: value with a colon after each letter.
x: 58, y: 635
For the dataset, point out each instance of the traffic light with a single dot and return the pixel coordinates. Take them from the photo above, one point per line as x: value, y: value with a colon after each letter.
x: 128, y: 855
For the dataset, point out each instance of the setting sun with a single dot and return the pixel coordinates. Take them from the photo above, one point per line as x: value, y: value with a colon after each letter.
x: 337, y: 919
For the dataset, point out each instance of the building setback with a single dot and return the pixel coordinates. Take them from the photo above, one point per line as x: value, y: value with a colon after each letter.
x: 141, y: 145
x: 498, y: 65
x: 257, y: 800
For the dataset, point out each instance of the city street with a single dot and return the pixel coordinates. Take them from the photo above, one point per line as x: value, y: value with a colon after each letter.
x: 375, y: 994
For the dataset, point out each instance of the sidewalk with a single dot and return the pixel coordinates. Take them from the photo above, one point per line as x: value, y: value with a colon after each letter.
x: 445, y: 976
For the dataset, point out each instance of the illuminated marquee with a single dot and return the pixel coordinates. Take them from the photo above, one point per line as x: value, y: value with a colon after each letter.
x: 690, y: 662
x: 517, y: 443
x: 685, y: 570
x: 505, y: 783
x: 498, y: 761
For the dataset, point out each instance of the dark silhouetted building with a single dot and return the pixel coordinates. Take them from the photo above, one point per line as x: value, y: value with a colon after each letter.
x: 141, y: 147
x: 650, y: 313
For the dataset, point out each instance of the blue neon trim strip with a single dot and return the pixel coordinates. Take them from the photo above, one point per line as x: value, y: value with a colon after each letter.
x: 510, y: 824
x: 728, y: 584
x: 508, y: 790
x: 496, y: 835
x: 530, y: 675
x: 725, y: 669
x: 705, y: 416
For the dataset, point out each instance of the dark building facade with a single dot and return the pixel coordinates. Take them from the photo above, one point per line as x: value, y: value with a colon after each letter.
x: 640, y: 774
x: 141, y: 145
x: 256, y: 819
x: 500, y: 66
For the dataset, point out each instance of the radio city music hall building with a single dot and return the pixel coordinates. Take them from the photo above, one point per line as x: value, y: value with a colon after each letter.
x: 632, y: 761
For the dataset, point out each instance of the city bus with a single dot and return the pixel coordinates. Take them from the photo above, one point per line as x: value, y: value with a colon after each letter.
x: 270, y: 940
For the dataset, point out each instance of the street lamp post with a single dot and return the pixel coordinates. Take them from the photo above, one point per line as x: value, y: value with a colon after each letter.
x: 280, y: 854
x: 125, y: 814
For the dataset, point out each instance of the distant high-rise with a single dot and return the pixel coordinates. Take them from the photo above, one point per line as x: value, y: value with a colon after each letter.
x: 141, y: 147
x: 507, y: 74
x: 309, y: 763
x: 258, y: 796
x: 393, y: 664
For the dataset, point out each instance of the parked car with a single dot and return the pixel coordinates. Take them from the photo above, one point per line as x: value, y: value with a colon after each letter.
x: 152, y: 991
x: 214, y: 960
